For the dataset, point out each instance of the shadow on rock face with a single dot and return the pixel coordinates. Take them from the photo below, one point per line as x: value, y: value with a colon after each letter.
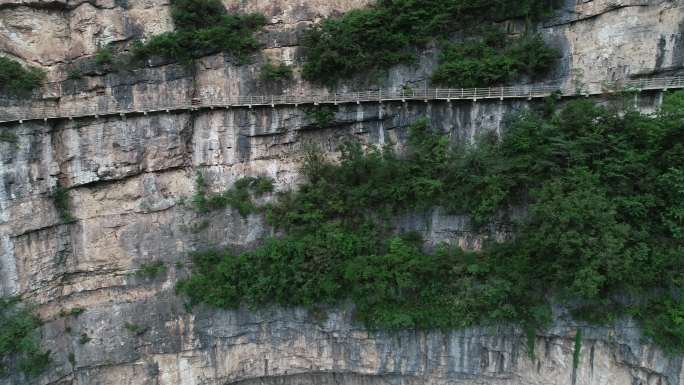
x: 330, y: 378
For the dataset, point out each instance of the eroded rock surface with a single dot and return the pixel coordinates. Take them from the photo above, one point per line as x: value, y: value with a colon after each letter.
x: 132, y: 178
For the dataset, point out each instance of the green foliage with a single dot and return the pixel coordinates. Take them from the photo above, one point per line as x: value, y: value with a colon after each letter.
x: 239, y: 197
x: 272, y: 72
x: 664, y: 323
x: 60, y: 198
x: 386, y: 34
x: 321, y: 116
x: 196, y: 14
x: 17, y: 80
x: 73, y: 312
x: 19, y: 342
x: 135, y: 328
x: 531, y: 335
x: 577, y: 350
x: 203, y: 27
x: 493, y: 60
x: 74, y: 73
x: 8, y: 136
x: 603, y: 190
x: 151, y: 270
x: 104, y: 56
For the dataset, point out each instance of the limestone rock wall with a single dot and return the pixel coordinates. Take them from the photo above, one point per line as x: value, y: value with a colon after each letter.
x: 131, y: 180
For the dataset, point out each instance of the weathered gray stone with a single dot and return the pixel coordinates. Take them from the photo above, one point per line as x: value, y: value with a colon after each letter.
x: 131, y: 181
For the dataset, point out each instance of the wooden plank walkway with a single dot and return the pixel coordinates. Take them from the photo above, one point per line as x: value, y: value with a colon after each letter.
x: 96, y: 109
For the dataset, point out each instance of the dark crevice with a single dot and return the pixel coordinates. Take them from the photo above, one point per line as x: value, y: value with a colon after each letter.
x: 612, y: 8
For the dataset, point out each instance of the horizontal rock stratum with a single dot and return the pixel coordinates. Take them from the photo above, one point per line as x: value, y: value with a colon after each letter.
x: 130, y: 181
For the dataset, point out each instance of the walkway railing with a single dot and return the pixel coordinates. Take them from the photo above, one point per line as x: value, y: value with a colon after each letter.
x: 107, y: 105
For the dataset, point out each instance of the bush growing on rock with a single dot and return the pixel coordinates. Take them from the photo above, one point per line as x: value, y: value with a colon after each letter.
x: 60, y: 198
x: 104, y: 56
x: 17, y: 80
x: 389, y: 32
x: 272, y: 72
x: 151, y: 270
x: 493, y: 60
x: 603, y: 188
x: 8, y: 136
x: 19, y: 339
x: 239, y: 197
x: 203, y: 27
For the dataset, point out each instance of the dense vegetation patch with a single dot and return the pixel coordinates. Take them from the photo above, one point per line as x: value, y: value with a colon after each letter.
x: 494, y: 59
x: 386, y: 34
x: 603, y: 232
x: 238, y: 197
x: 320, y: 116
x: 19, y: 349
x: 151, y: 270
x: 17, y: 80
x: 104, y: 56
x: 8, y: 136
x: 203, y: 27
x: 60, y: 198
x: 275, y: 72
x: 135, y: 329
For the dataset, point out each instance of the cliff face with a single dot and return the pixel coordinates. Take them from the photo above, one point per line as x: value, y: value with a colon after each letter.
x: 130, y: 178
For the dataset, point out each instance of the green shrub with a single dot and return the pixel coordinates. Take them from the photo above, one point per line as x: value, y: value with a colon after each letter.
x: 135, y: 328
x: 664, y: 323
x: 260, y: 185
x: 494, y: 60
x: 604, y: 193
x: 321, y: 117
x: 272, y: 72
x: 239, y: 197
x: 73, y: 312
x: 189, y: 15
x: 577, y: 350
x: 19, y: 342
x: 151, y: 270
x: 60, y: 198
x: 74, y: 73
x: 104, y: 56
x: 17, y: 80
x: 203, y: 27
x: 8, y: 136
x: 388, y: 33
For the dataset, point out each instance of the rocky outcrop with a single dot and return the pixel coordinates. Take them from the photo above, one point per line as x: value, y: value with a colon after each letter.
x: 291, y: 347
x: 131, y: 180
